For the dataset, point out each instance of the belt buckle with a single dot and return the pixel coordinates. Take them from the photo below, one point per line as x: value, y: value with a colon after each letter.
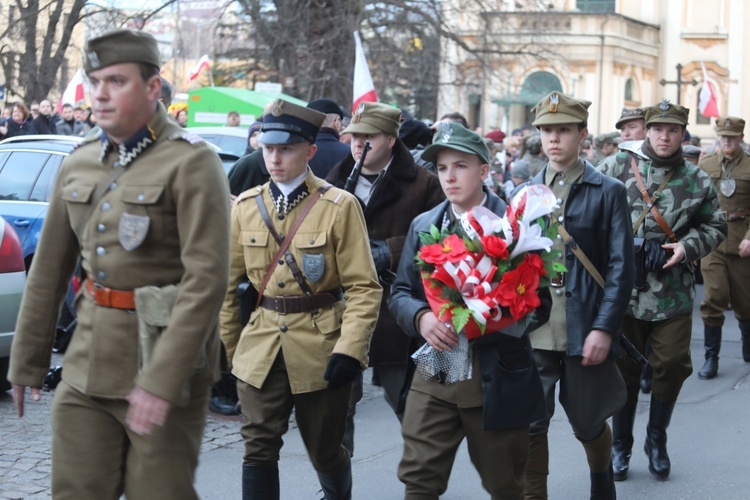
x: 558, y: 281
x: 102, y: 295
x: 280, y: 299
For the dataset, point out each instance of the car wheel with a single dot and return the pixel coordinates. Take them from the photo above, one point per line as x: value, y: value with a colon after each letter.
x: 4, y: 384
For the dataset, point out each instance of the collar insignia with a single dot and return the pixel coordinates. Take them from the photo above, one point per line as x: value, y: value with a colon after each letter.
x: 285, y: 204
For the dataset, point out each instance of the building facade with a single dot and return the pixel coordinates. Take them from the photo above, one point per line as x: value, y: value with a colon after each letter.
x: 614, y: 53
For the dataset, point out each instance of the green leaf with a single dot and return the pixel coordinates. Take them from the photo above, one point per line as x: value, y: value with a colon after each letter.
x: 559, y: 267
x: 435, y: 232
x: 461, y: 317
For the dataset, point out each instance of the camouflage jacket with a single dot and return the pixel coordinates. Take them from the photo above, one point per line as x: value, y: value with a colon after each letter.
x: 690, y: 205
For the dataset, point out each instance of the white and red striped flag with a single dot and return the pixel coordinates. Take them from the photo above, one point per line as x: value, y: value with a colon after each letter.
x: 364, y: 89
x: 707, y: 97
x: 203, y: 63
x: 74, y: 92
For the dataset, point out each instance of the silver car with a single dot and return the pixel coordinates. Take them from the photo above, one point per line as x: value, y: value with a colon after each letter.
x: 12, y: 281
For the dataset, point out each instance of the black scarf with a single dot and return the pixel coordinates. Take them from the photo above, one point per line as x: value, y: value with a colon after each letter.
x: 675, y: 160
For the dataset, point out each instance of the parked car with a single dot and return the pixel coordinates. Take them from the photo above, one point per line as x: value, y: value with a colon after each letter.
x: 12, y: 281
x: 231, y: 140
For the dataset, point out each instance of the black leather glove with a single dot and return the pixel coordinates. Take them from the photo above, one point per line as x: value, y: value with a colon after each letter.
x: 656, y: 256
x: 381, y: 255
x: 341, y: 370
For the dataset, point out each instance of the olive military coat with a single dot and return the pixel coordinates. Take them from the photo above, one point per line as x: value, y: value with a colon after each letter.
x: 180, y: 186
x: 333, y: 234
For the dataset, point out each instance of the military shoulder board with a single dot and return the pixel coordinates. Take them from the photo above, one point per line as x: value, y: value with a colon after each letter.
x: 188, y: 137
x: 250, y: 193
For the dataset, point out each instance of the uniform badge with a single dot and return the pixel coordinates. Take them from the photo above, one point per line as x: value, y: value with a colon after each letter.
x: 133, y: 230
x: 360, y: 108
x: 554, y: 101
x: 278, y: 108
x: 313, y: 264
x: 727, y: 187
x: 446, y: 131
x: 664, y: 106
x: 93, y: 59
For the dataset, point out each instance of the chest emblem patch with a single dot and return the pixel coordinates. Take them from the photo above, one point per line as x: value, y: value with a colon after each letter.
x: 133, y: 230
x: 314, y: 265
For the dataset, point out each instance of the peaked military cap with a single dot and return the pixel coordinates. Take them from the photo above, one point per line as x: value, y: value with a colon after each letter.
x: 629, y: 114
x: 288, y: 123
x: 121, y: 46
x: 373, y: 118
x: 452, y: 135
x: 666, y: 112
x: 730, y: 125
x: 326, y: 106
x: 557, y: 109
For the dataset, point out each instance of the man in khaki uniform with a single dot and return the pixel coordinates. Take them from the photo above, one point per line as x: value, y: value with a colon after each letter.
x: 145, y: 207
x: 309, y: 336
x: 729, y: 169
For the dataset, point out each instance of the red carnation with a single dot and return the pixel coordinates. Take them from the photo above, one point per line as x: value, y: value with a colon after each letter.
x: 518, y: 291
x: 451, y: 250
x: 495, y: 247
x: 535, y: 262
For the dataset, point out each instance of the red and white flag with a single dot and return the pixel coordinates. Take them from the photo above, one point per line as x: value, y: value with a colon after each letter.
x: 74, y: 93
x: 364, y: 90
x: 707, y: 98
x: 203, y: 63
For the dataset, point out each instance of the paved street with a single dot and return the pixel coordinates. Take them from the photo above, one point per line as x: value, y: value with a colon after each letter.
x: 708, y: 442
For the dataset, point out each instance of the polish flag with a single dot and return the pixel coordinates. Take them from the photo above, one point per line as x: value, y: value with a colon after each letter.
x: 364, y: 90
x: 74, y: 93
x: 203, y: 63
x: 707, y: 101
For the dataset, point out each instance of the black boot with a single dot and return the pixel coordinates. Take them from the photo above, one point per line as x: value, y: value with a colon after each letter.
x: 337, y: 486
x: 622, y: 444
x: 646, y: 377
x: 603, y: 485
x: 659, y: 416
x: 712, y: 343
x: 745, y: 329
x: 260, y: 482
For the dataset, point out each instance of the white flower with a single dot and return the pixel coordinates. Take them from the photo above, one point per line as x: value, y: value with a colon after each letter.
x: 540, y: 201
x: 530, y: 239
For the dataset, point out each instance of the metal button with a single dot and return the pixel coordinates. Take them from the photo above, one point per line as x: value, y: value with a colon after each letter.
x: 558, y: 292
x: 100, y: 251
x: 559, y: 237
x: 252, y: 240
x: 560, y: 219
x: 105, y: 206
x: 559, y: 255
x: 561, y: 183
x: 559, y: 201
x: 280, y: 216
x: 283, y: 328
x: 141, y: 197
x: 74, y: 194
x: 312, y: 241
x: 568, y: 294
x: 280, y: 284
x: 281, y: 262
x: 101, y: 275
x: 101, y: 228
x: 113, y: 186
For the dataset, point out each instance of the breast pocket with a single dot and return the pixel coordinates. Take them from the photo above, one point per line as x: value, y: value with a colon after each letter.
x: 314, y: 256
x: 148, y: 201
x: 256, y: 251
x: 78, y: 199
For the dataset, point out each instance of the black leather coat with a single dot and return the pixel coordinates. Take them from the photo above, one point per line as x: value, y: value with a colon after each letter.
x: 598, y: 218
x: 511, y: 389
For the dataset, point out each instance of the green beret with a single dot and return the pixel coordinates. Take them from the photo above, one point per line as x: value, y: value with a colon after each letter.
x: 452, y: 135
x: 373, y: 118
x: 121, y: 46
x: 666, y: 112
x: 629, y: 114
x: 730, y: 125
x: 557, y: 109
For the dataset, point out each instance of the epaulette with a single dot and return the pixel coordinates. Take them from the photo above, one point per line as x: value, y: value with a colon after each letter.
x: 89, y: 139
x: 188, y: 137
x: 250, y: 193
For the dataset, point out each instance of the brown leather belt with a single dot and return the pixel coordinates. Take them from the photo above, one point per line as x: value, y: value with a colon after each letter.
x: 289, y: 304
x: 738, y: 214
x: 108, y: 297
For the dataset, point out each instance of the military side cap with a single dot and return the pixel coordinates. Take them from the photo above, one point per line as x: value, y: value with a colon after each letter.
x: 452, y: 135
x: 730, y: 125
x: 121, y: 46
x: 666, y: 112
x: 373, y: 118
x: 557, y: 109
x: 629, y: 114
x: 327, y: 106
x: 288, y: 123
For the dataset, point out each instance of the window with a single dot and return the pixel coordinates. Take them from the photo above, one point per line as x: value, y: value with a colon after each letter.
x: 20, y: 173
x: 631, y: 90
x: 46, y: 180
x: 596, y: 6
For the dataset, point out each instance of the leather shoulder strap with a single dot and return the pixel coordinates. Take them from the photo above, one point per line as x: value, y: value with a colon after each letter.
x: 580, y: 254
x: 650, y: 206
x: 287, y: 240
